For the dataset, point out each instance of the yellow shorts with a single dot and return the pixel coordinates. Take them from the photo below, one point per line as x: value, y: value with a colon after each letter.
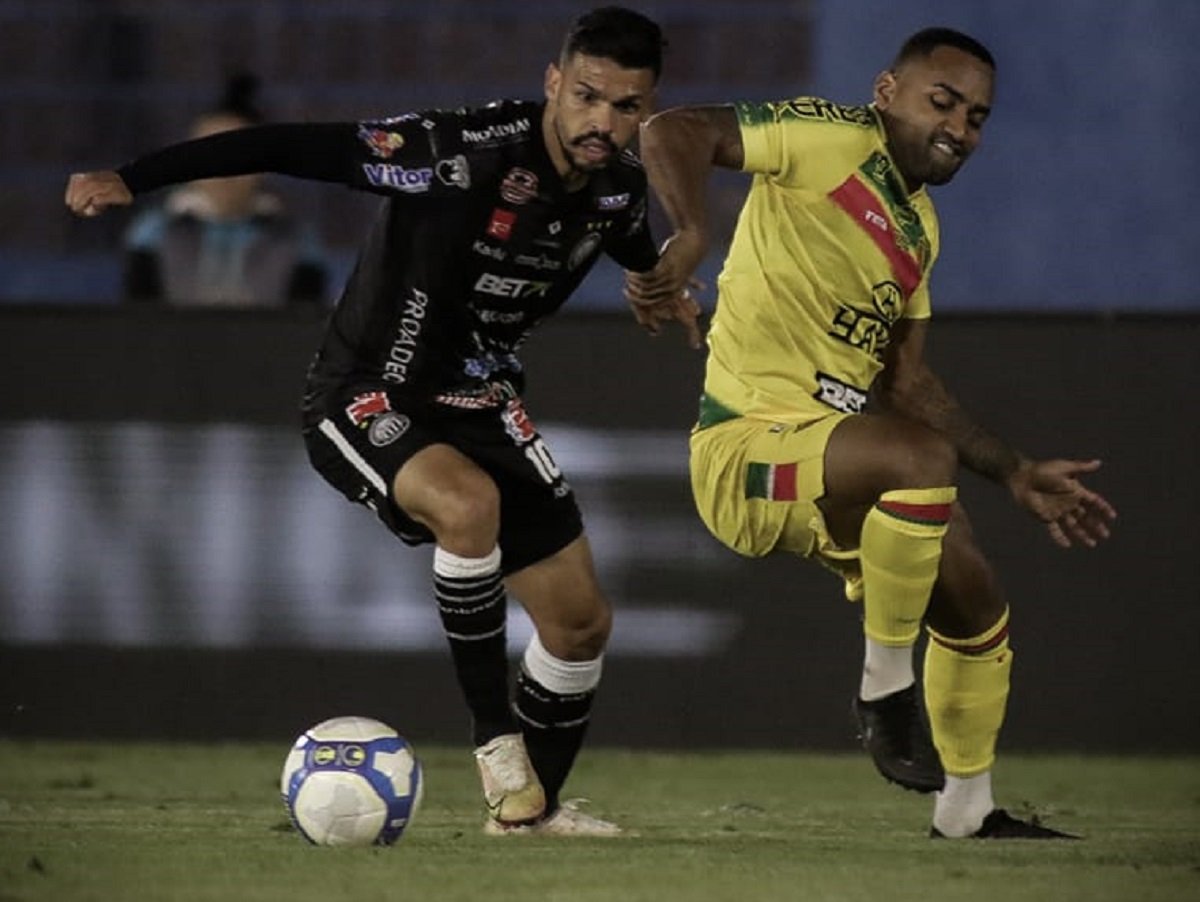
x: 756, y: 485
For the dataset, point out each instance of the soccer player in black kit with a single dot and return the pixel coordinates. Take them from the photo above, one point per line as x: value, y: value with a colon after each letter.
x: 492, y: 217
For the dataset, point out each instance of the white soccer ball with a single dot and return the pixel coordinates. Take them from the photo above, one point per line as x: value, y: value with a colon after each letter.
x: 352, y: 781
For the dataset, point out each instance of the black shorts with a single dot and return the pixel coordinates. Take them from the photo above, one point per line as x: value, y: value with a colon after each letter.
x: 368, y: 434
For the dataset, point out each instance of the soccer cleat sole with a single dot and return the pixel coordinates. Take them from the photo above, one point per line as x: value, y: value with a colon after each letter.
x: 999, y: 824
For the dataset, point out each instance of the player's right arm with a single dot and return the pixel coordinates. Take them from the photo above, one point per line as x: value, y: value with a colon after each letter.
x: 679, y: 148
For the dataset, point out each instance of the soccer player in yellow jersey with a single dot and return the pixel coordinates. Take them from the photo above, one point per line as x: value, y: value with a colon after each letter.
x: 823, y: 304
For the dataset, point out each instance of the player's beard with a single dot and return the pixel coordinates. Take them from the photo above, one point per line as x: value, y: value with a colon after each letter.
x: 917, y: 159
x: 575, y: 166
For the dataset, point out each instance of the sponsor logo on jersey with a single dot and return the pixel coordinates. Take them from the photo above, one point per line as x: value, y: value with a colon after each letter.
x: 386, y: 428
x: 501, y: 224
x: 810, y: 108
x: 538, y: 261
x: 876, y: 219
x: 612, y: 202
x: 406, y: 333
x: 455, y: 172
x: 493, y: 395
x: 497, y: 133
x: 489, y: 362
x: 389, y: 175
x: 839, y: 395
x: 584, y: 250
x: 500, y: 316
x: 510, y: 286
x: 888, y: 300
x: 519, y: 186
x: 517, y: 423
x: 380, y: 142
x: 484, y: 249
x: 869, y: 331
x: 367, y: 405
x: 403, y: 117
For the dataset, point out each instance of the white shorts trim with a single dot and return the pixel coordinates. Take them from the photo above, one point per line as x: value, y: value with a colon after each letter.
x: 355, y: 459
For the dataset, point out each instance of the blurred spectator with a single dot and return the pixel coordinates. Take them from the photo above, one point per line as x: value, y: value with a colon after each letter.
x: 226, y: 241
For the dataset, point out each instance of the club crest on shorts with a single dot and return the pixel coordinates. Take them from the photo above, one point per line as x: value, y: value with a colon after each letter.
x: 517, y: 423
x: 386, y: 428
x: 367, y: 405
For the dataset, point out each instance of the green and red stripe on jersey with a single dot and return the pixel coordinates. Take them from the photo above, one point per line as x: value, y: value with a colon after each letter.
x: 876, y: 202
x: 774, y: 482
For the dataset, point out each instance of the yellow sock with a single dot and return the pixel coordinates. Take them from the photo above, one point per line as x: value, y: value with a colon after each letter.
x: 899, y: 552
x: 966, y: 688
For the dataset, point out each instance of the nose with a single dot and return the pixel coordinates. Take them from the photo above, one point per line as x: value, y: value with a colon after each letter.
x: 958, y: 124
x: 955, y: 123
x: 604, y: 118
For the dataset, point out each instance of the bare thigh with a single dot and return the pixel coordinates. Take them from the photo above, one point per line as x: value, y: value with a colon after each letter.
x: 870, y: 454
x: 444, y: 490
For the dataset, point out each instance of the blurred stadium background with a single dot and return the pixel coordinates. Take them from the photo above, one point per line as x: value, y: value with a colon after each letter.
x: 168, y: 561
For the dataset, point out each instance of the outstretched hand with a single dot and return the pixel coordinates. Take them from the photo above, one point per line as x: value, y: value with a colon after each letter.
x: 1052, y: 492
x: 681, y: 308
x: 91, y: 193
x: 664, y: 293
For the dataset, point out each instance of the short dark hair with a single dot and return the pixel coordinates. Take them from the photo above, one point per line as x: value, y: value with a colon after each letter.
x: 927, y: 40
x: 626, y: 37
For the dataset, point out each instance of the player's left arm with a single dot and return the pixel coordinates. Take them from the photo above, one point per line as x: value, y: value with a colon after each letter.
x: 632, y: 246
x: 1049, y: 489
x: 679, y: 148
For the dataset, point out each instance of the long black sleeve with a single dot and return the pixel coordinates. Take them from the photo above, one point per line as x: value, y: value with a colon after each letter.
x: 634, y: 247
x: 326, y: 152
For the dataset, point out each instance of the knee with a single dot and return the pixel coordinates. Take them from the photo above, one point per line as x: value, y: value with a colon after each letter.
x: 581, y: 635
x: 924, y: 459
x: 466, y: 513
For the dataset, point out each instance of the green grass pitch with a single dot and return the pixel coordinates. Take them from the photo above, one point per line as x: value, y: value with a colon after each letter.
x: 191, y: 822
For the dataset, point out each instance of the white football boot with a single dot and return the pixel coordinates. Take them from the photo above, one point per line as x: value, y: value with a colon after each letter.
x: 511, y: 788
x: 568, y: 820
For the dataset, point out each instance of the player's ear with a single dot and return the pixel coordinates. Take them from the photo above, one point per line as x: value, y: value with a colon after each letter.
x: 553, y: 81
x: 885, y: 88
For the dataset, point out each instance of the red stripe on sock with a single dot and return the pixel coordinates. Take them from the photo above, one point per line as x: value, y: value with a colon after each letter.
x: 980, y: 648
x: 921, y: 513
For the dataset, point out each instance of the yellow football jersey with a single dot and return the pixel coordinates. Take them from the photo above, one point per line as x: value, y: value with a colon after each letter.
x: 829, y: 252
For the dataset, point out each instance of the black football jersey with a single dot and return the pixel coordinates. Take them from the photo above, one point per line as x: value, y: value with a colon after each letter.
x: 476, y: 242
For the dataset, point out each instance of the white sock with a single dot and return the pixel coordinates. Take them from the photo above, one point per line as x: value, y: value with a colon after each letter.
x: 561, y: 677
x: 961, y: 807
x: 447, y: 563
x: 886, y: 669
